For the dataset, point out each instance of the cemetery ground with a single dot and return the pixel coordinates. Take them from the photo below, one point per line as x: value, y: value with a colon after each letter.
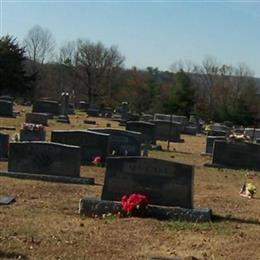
x: 44, y: 222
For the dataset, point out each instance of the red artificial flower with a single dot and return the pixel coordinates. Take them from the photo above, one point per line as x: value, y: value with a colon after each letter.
x: 134, y: 202
x: 97, y: 160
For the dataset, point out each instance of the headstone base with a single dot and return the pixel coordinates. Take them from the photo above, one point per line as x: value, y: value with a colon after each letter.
x: 63, y: 119
x: 96, y: 207
x: 53, y: 178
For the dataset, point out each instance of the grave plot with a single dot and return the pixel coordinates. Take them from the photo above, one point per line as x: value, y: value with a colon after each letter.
x: 167, y: 185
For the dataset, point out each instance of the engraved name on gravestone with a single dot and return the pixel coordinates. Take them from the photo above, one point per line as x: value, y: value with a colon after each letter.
x: 237, y: 155
x: 37, y: 118
x: 122, y: 142
x: 92, y: 144
x: 147, y: 130
x: 44, y: 158
x: 165, y: 183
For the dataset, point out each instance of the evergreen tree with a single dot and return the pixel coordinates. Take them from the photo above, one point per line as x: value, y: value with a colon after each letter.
x: 182, y: 99
x: 14, y: 80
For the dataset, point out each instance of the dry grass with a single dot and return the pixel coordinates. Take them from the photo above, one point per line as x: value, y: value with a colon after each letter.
x: 44, y: 223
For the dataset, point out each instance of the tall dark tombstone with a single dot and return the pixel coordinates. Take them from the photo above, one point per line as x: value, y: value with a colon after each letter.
x: 64, y: 108
x: 4, y: 143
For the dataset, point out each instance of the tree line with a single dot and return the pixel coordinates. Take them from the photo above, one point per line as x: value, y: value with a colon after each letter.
x: 94, y: 72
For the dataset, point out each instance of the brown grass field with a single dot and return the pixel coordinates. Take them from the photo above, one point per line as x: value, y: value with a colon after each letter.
x: 44, y: 222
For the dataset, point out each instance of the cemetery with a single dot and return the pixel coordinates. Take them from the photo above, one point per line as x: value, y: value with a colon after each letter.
x: 50, y: 180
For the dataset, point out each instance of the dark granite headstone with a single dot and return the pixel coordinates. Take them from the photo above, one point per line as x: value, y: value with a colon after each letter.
x: 93, y: 110
x: 190, y: 130
x: 107, y: 112
x: 165, y: 130
x: 165, y: 183
x: 6, y: 108
x: 122, y: 142
x: 236, y: 155
x: 210, y: 142
x: 147, y: 130
x: 44, y: 158
x: 29, y: 135
x: 37, y: 118
x: 253, y: 133
x: 46, y: 106
x: 4, y: 143
x: 146, y: 117
x: 92, y: 144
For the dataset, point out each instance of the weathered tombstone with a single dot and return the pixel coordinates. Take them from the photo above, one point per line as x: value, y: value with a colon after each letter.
x: 190, y: 130
x: 71, y: 109
x: 122, y: 142
x: 162, y: 117
x: 37, y: 118
x: 92, y: 144
x: 236, y: 155
x: 7, y: 98
x: 167, y: 131
x: 146, y: 117
x: 32, y: 132
x: 219, y: 130
x: 147, y: 130
x: 44, y: 158
x: 6, y: 108
x: 253, y: 133
x: 165, y: 183
x: 183, y: 120
x: 106, y: 112
x: 4, y: 143
x: 64, y: 108
x: 210, y: 143
x: 82, y: 105
x: 46, y: 106
x: 93, y: 110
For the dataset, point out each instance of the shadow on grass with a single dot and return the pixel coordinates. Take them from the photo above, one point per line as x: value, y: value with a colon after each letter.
x: 12, y: 255
x: 219, y: 218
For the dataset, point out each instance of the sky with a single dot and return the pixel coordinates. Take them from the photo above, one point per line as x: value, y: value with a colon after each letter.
x: 148, y: 33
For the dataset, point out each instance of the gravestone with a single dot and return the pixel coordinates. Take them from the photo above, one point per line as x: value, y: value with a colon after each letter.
x: 37, y: 118
x: 92, y: 144
x: 4, y: 143
x: 190, y: 130
x: 64, y: 108
x: 252, y: 133
x: 146, y: 129
x: 82, y: 105
x: 162, y: 117
x: 29, y: 135
x: 6, y: 108
x: 44, y: 158
x: 165, y: 183
x: 93, y: 110
x: 46, y: 106
x: 146, y: 117
x: 240, y: 155
x: 210, y: 142
x: 122, y: 142
x: 165, y: 130
x: 219, y: 130
x: 106, y: 112
x: 7, y: 98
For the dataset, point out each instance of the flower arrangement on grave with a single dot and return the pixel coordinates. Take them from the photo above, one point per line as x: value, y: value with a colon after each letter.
x: 135, y: 204
x: 248, y: 190
x: 236, y: 137
x: 97, y: 161
x: 32, y: 127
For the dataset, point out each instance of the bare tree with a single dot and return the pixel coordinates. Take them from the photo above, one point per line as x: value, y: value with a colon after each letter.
x: 39, y: 45
x: 97, y: 67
